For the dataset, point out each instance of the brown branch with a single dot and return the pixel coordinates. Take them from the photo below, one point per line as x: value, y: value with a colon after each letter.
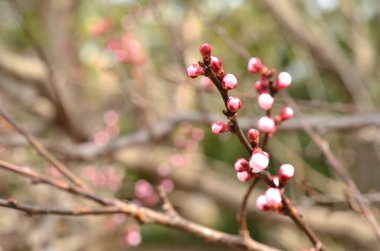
x: 331, y: 56
x: 142, y: 214
x: 294, y: 215
x: 337, y: 166
x: 44, y: 152
x: 232, y: 117
x: 242, y: 215
x: 37, y: 178
x: 63, y: 114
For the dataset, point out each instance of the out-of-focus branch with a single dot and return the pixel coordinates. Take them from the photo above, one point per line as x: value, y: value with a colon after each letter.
x: 26, y: 68
x: 323, y: 48
x: 37, y: 178
x: 242, y: 215
x: 44, y: 152
x: 89, y: 150
x: 142, y: 214
x: 57, y: 92
x: 337, y: 166
x: 224, y: 192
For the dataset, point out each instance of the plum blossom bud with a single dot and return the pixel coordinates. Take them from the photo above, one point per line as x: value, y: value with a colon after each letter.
x: 229, y: 82
x: 193, y: 70
x: 241, y: 165
x: 253, y: 136
x: 205, y: 49
x: 216, y: 65
x: 234, y: 104
x: 273, y: 196
x: 283, y: 80
x: 286, y: 172
x: 266, y: 124
x: 261, y: 202
x: 244, y: 176
x: 207, y: 84
x: 254, y: 65
x: 260, y: 87
x: 219, y: 127
x: 286, y: 113
x: 265, y: 101
x: 258, y: 162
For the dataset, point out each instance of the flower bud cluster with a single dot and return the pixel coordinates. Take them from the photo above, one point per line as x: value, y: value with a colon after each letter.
x: 266, y: 89
x: 212, y: 68
x: 246, y: 170
x: 271, y: 200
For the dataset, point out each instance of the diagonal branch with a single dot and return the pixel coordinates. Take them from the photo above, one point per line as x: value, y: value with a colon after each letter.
x: 337, y: 166
x: 44, y: 152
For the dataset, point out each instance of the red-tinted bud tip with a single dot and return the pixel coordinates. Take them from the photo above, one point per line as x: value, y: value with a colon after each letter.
x: 234, y: 104
x: 219, y: 127
x: 216, y: 65
x: 241, y: 165
x: 193, y: 70
x: 286, y: 113
x: 244, y: 176
x: 254, y: 65
x: 253, y: 136
x: 205, y: 49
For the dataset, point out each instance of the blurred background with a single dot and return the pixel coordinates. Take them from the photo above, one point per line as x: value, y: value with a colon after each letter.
x: 102, y: 84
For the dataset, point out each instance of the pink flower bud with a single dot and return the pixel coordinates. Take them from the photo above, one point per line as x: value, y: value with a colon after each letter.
x: 205, y: 49
x: 253, y: 136
x: 244, y: 176
x: 193, y: 70
x: 273, y: 196
x: 261, y: 202
x: 265, y: 101
x: 254, y: 65
x: 258, y: 162
x: 229, y: 82
x: 234, y: 104
x: 286, y: 172
x: 283, y: 80
x: 260, y: 87
x: 219, y: 127
x: 266, y: 124
x: 241, y: 165
x: 216, y: 65
x: 207, y: 84
x: 286, y: 113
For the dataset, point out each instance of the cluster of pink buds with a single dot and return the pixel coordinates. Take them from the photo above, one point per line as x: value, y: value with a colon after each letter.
x: 212, y: 68
x: 266, y: 88
x: 271, y: 200
x: 257, y: 163
x: 126, y: 49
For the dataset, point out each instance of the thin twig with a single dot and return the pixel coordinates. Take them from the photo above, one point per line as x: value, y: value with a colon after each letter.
x: 242, y: 215
x: 37, y: 178
x: 142, y: 214
x: 166, y: 203
x: 336, y: 165
x: 44, y: 152
x: 56, y: 94
x: 293, y: 214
